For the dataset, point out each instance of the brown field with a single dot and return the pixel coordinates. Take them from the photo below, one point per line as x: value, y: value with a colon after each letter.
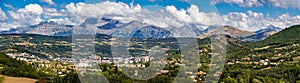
x: 18, y: 80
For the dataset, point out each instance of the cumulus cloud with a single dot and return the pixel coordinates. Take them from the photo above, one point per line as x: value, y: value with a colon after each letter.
x: 31, y: 14
x: 5, y: 26
x: 97, y: 10
x: 52, y: 12
x: 3, y: 16
x: 119, y: 11
x: 193, y: 15
x: 181, y: 15
x: 32, y: 8
x: 252, y: 21
x: 210, y: 18
x: 65, y: 21
x: 246, y: 21
x: 50, y: 2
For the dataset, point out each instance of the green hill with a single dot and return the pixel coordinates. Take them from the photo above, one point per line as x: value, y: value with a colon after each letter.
x: 273, y: 60
x: 15, y: 68
x: 290, y: 35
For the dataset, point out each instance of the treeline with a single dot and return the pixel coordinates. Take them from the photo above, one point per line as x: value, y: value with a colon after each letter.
x: 285, y: 73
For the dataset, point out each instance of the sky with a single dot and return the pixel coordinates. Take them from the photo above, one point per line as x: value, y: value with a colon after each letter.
x: 247, y: 15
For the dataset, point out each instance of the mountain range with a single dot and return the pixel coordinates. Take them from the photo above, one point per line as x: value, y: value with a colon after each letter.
x: 263, y: 33
x: 138, y: 29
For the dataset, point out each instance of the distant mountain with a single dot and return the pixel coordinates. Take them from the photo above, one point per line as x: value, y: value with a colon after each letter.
x: 128, y: 29
x: 44, y: 28
x: 262, y: 34
x: 89, y: 21
x: 259, y: 36
x: 50, y: 28
x: 210, y: 28
x: 109, y: 26
x: 228, y: 30
x: 105, y: 26
x: 104, y: 23
x: 268, y: 29
x: 8, y: 31
x: 109, y: 23
x: 188, y: 30
x: 151, y: 32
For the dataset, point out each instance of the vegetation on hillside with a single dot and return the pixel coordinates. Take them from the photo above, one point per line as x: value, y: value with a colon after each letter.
x: 16, y: 68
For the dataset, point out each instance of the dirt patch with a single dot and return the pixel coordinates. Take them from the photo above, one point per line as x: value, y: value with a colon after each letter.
x: 18, y: 80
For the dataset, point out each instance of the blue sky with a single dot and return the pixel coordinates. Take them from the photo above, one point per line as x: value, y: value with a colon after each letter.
x: 243, y: 14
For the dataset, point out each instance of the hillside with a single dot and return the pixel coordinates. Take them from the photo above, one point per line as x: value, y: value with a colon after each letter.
x: 287, y: 36
x: 275, y: 59
x: 16, y: 68
x: 228, y: 30
x: 283, y: 40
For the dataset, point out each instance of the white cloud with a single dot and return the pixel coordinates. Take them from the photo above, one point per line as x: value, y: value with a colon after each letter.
x: 3, y: 16
x: 285, y: 3
x: 252, y: 21
x: 9, y: 6
x: 251, y: 3
x: 192, y: 15
x: 211, y: 18
x: 52, y: 12
x: 32, y: 8
x: 65, y: 21
x: 243, y: 3
x: 117, y: 10
x: 50, y: 2
x: 5, y: 26
x: 82, y: 10
x: 181, y: 15
x: 31, y: 14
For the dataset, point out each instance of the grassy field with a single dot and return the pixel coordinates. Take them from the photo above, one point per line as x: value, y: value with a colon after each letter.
x: 6, y: 79
x: 296, y: 59
x: 1, y: 79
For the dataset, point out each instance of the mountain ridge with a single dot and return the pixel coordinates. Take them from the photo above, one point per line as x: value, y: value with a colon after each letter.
x: 111, y: 27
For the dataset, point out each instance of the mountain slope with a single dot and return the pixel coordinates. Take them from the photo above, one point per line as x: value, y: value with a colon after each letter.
x: 287, y: 36
x: 189, y: 30
x: 269, y: 28
x: 13, y: 67
x: 228, y: 30
x: 151, y: 32
x: 262, y: 34
x: 49, y: 28
x: 44, y: 28
x: 259, y: 36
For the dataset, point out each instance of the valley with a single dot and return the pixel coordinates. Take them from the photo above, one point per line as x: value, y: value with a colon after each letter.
x: 274, y: 59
